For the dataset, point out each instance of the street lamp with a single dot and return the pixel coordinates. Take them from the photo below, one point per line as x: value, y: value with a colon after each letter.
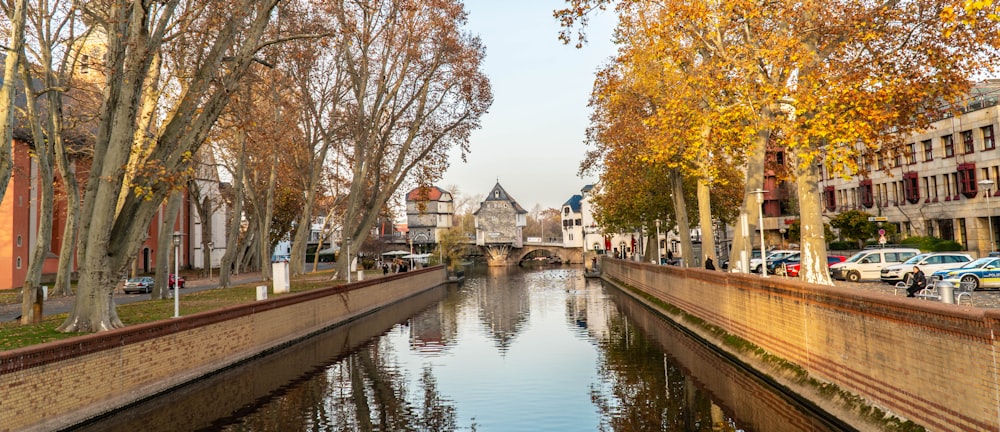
x: 177, y: 271
x: 659, y: 259
x: 211, y: 249
x: 988, y: 185
x: 760, y: 202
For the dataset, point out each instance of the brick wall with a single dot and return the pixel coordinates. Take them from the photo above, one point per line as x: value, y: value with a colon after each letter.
x: 62, y: 383
x: 928, y: 362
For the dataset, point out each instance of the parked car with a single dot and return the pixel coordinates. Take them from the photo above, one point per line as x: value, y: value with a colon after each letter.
x: 868, y: 263
x: 756, y: 265
x: 180, y: 280
x: 777, y: 266
x: 139, y: 285
x: 928, y: 263
x: 981, y: 273
x: 724, y: 259
x: 792, y: 269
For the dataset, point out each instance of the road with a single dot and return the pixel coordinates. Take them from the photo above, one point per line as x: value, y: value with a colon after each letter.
x: 58, y: 305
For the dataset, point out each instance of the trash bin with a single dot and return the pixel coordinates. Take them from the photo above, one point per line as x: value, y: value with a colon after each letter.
x: 947, y: 292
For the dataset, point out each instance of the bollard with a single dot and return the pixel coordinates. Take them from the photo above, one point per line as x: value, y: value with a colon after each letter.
x: 45, y: 292
x: 947, y: 292
x: 261, y: 292
x: 361, y: 275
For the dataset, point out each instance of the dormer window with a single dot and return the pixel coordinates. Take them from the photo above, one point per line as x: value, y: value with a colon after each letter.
x: 496, y: 194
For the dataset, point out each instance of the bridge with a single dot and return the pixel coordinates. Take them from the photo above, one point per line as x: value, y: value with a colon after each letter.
x: 498, y: 255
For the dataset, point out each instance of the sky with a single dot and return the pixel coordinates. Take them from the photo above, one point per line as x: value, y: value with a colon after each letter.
x: 532, y: 138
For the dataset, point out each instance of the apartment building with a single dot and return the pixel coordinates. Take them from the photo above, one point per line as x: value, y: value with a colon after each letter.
x: 940, y: 183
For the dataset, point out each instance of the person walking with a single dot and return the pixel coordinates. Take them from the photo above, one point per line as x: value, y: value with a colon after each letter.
x: 918, y: 281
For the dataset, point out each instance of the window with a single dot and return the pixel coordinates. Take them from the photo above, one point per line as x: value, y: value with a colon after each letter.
x: 84, y: 64
x: 18, y: 240
x: 967, y: 143
x: 830, y: 198
x: 948, y: 142
x: 967, y: 180
x: 911, y: 187
x: 911, y: 153
x: 897, y: 160
x: 989, y: 143
x: 928, y: 150
x: 867, y: 197
x: 880, y: 162
x: 18, y: 262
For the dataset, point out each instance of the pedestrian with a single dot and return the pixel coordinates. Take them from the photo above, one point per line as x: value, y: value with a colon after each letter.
x: 918, y: 281
x: 708, y: 263
x: 385, y: 269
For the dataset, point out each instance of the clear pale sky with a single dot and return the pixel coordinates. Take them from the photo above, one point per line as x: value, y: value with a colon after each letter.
x: 532, y: 137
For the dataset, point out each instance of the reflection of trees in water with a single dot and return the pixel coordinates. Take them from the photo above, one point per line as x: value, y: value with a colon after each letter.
x: 503, y: 306
x: 643, y: 391
x: 367, y: 391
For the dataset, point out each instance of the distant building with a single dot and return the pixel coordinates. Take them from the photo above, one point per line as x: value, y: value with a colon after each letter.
x: 500, y: 220
x: 572, y: 222
x: 429, y: 212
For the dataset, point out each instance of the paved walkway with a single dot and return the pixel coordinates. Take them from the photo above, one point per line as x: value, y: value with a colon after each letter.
x: 983, y: 299
x: 57, y: 305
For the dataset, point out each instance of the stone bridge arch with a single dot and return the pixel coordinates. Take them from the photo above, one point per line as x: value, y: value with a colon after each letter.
x: 568, y: 255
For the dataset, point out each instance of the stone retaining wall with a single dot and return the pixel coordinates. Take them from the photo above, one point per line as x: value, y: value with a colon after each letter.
x: 58, y: 384
x: 932, y: 363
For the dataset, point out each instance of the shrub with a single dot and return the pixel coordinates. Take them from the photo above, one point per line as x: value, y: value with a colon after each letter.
x: 948, y: 246
x: 843, y: 245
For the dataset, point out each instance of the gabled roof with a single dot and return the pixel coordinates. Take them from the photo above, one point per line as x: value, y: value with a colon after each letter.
x: 574, y: 203
x: 428, y: 193
x: 499, y: 194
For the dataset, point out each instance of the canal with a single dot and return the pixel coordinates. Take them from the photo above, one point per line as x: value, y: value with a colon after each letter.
x: 509, y: 350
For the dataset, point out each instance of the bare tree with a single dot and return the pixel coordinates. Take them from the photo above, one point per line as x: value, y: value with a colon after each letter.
x: 111, y: 229
x: 415, y: 92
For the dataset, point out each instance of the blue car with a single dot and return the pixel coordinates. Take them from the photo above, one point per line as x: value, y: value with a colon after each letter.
x: 981, y: 273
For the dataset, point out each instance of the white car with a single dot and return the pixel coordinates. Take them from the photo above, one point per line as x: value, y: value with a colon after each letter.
x: 756, y: 264
x: 928, y: 263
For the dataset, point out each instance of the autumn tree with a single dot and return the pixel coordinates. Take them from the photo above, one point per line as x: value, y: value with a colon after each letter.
x: 820, y: 80
x: 415, y: 92
x: 232, y: 34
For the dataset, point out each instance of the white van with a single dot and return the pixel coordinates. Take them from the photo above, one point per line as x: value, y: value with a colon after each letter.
x: 868, y: 263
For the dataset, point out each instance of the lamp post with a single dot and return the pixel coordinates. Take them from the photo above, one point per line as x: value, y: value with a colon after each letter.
x: 760, y: 202
x: 211, y: 249
x: 659, y: 258
x: 177, y: 271
x: 988, y: 185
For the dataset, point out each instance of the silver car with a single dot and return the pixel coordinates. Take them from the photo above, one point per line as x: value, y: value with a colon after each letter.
x: 139, y: 285
x: 928, y: 263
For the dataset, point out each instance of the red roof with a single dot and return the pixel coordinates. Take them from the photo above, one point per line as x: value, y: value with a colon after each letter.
x: 431, y: 193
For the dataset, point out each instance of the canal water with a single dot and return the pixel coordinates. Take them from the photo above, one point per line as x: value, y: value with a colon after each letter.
x: 509, y: 350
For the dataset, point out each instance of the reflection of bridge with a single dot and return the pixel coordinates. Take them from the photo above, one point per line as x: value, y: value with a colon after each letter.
x: 505, y: 254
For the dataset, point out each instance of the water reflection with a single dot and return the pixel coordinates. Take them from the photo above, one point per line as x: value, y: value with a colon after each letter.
x: 511, y: 350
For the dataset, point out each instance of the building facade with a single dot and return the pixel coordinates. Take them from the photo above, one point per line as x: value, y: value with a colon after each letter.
x: 500, y: 220
x: 939, y: 184
x: 429, y: 212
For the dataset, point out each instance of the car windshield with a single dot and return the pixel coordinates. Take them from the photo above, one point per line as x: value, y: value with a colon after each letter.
x: 978, y: 263
x: 916, y: 259
x: 137, y: 280
x: 857, y: 257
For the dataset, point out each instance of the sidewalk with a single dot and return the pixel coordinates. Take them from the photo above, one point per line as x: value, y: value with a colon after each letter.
x: 57, y: 305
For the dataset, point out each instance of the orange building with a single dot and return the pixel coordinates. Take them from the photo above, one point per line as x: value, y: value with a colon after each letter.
x: 19, y: 221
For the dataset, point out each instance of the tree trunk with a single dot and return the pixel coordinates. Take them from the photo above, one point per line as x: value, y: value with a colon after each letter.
x: 742, y: 242
x: 683, y: 226
x: 32, y: 298
x: 67, y: 251
x: 814, y: 266
x: 165, y: 254
x: 235, y: 217
x: 14, y: 53
x: 705, y: 220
